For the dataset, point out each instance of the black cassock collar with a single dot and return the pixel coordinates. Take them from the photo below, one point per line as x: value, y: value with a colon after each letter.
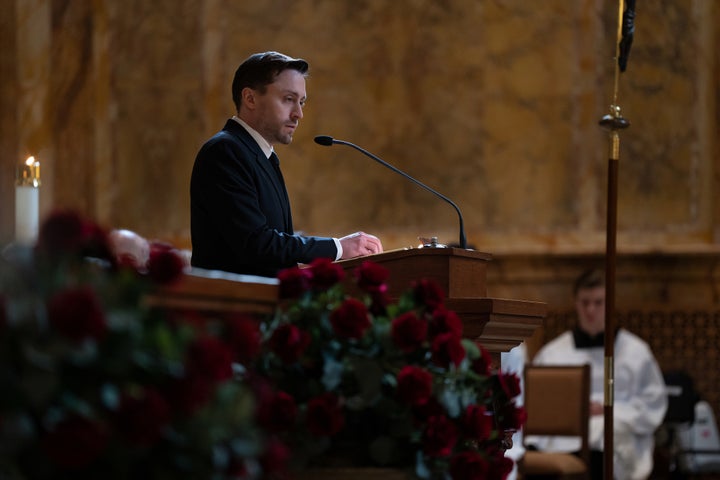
x: 585, y: 340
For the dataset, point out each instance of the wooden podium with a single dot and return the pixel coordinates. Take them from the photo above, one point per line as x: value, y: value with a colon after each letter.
x: 215, y: 291
x: 497, y: 324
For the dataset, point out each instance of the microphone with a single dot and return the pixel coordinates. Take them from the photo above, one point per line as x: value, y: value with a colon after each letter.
x: 328, y: 141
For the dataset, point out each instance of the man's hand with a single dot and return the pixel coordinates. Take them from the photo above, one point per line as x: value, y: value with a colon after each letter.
x: 359, y: 244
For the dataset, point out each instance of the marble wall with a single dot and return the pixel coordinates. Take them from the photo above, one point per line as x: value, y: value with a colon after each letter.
x: 495, y: 103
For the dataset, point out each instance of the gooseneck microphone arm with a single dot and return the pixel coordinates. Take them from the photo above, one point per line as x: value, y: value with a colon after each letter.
x: 328, y: 141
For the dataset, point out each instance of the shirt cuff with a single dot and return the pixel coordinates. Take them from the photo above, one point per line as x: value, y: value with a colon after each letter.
x: 339, y: 249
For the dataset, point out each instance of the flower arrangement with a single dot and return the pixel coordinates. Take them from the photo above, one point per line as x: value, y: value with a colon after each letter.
x: 97, y: 385
x: 362, y: 381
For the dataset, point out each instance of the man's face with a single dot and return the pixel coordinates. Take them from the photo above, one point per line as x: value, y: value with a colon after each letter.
x: 590, y: 306
x: 278, y: 110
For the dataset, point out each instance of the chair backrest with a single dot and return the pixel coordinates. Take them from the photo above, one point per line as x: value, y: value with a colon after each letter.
x: 557, y: 402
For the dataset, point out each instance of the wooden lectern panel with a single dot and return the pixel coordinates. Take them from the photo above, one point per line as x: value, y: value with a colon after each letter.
x: 497, y: 324
x: 461, y: 273
x: 217, y: 291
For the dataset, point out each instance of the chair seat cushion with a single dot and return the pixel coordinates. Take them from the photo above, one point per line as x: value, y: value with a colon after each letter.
x: 547, y: 463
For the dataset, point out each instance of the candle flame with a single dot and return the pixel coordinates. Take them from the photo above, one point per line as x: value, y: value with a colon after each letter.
x: 28, y: 174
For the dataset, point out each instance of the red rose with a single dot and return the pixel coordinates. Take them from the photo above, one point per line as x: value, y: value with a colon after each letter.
x: 65, y: 232
x: 277, y: 413
x: 97, y: 242
x: 468, y: 466
x: 210, y: 357
x: 75, y: 442
x: 165, y: 264
x: 447, y: 349
x: 243, y: 336
x: 482, y: 365
x: 262, y: 388
x: 439, y: 437
x: 371, y: 277
x: 409, y: 332
x: 428, y: 409
x: 142, y: 418
x: 289, y: 342
x: 293, y: 282
x: 324, y: 415
x: 429, y: 293
x: 350, y: 319
x: 510, y: 383
x: 500, y: 467
x: 445, y: 321
x: 476, y: 423
x: 325, y: 273
x: 274, y: 459
x: 77, y: 314
x: 414, y: 385
x: 512, y: 417
x: 378, y: 303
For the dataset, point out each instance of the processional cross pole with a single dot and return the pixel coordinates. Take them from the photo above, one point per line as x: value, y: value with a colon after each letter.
x: 614, y: 122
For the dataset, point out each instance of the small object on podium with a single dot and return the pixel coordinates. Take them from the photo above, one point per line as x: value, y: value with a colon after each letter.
x: 431, y: 242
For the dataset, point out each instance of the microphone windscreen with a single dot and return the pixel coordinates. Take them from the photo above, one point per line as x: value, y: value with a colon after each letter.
x: 324, y: 140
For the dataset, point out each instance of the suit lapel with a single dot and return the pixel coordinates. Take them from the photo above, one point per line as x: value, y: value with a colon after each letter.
x: 271, y: 173
x: 275, y: 163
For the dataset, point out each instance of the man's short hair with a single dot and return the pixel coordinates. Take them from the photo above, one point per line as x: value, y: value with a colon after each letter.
x: 260, y: 70
x: 592, y: 278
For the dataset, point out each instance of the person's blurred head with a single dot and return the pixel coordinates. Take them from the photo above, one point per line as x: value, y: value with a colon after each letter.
x: 129, y: 248
x: 589, y: 291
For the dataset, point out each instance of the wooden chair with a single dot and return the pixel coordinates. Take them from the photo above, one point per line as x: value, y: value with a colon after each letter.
x: 557, y: 401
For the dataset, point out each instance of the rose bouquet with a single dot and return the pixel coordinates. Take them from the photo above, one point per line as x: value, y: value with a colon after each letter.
x: 97, y: 385
x: 94, y: 385
x: 357, y: 380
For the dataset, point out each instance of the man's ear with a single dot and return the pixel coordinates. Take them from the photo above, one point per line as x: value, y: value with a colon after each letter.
x: 248, y: 97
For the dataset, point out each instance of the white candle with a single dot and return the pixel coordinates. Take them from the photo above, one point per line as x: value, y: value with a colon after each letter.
x: 27, y: 202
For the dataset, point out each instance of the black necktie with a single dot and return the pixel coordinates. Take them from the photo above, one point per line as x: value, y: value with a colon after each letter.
x: 276, y: 165
x: 275, y: 160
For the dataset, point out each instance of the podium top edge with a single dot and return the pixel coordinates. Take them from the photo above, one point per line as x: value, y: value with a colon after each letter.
x: 411, y: 251
x: 202, y: 273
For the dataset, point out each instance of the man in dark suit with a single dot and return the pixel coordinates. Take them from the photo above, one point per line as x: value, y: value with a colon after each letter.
x: 239, y: 208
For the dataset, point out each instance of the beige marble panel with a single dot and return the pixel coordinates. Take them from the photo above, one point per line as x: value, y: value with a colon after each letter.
x: 71, y: 114
x: 156, y: 77
x: 661, y: 160
x: 494, y: 103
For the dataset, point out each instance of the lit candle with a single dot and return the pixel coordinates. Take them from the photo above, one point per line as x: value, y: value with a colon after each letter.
x: 27, y: 204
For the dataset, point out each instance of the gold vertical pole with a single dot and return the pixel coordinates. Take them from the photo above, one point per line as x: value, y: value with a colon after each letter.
x: 613, y: 122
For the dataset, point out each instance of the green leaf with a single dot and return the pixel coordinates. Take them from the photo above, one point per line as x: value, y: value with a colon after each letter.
x: 332, y: 372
